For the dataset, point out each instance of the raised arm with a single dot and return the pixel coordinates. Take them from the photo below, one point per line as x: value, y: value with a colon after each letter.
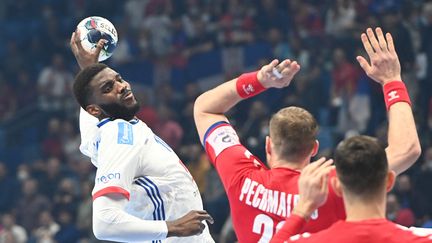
x: 384, y: 67
x: 210, y: 107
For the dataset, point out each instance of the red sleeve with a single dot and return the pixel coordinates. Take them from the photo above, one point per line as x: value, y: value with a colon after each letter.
x: 230, y: 158
x: 293, y: 226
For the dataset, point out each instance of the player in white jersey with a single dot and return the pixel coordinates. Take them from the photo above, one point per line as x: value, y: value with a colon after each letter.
x: 142, y: 190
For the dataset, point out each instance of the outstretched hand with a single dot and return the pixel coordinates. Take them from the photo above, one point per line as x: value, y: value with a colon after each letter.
x: 190, y: 224
x: 313, y: 186
x: 273, y: 75
x: 83, y: 57
x: 384, y: 63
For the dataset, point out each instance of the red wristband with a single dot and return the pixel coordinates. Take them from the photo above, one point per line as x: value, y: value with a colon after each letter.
x: 248, y: 85
x: 394, y: 92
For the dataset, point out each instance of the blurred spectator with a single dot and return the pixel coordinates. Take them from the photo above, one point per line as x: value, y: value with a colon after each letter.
x: 24, y: 82
x: 84, y: 212
x: 197, y: 165
x: 124, y: 49
x: 236, y: 25
x: 271, y: 16
x: 214, y: 198
x: 407, y: 196
x: 8, y: 189
x: 251, y: 127
x: 158, y: 23
x: 30, y: 205
x: 10, y: 231
x: 70, y: 139
x: 202, y: 40
x: 192, y: 91
x: 402, y: 216
x: 307, y: 21
x: 49, y: 174
x: 280, y: 47
x: 167, y: 128
x: 68, y: 232
x: 134, y: 9
x: 345, y: 75
x: 426, y: 48
x: 54, y: 85
x: 340, y: 18
x: 8, y: 100
x: 52, y: 142
x: 422, y: 183
x: 147, y: 112
x: 392, y: 22
x: 65, y: 197
x: 345, y: 78
x: 15, y: 60
x: 46, y: 228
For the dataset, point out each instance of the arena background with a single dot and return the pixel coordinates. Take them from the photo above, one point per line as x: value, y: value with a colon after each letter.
x: 171, y: 51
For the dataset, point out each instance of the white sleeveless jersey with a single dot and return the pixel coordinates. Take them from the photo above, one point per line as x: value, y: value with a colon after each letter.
x: 133, y: 161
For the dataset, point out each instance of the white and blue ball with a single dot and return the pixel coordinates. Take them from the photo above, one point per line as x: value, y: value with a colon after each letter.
x: 94, y: 28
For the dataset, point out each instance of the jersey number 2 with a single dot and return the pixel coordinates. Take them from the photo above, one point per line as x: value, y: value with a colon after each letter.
x: 263, y: 225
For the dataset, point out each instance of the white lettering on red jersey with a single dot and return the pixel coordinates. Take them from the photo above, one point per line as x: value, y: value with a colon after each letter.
x: 260, y: 198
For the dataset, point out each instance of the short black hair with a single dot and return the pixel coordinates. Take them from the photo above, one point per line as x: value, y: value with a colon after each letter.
x: 361, y: 165
x: 81, y: 88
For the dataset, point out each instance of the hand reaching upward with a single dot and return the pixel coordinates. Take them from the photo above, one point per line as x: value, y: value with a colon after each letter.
x: 279, y: 76
x: 83, y: 57
x: 384, y: 63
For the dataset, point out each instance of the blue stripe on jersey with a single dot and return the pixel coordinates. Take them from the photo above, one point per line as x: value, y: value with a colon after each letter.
x: 133, y: 121
x: 151, y: 197
x: 155, y: 197
x: 211, y: 128
x: 103, y: 122
x: 159, y: 196
x: 154, y: 194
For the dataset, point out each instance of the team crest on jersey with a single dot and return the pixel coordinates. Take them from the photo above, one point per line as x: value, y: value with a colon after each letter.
x: 125, y: 135
x: 222, y: 138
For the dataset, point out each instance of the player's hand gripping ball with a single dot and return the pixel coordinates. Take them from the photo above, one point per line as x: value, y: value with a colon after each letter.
x: 94, y: 28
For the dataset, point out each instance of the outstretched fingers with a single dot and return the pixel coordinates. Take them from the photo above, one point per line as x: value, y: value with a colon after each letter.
x: 390, y: 44
x: 373, y: 40
x: 381, y: 40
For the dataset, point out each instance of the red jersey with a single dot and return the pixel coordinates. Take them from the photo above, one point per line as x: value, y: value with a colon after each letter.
x: 260, y: 198
x: 365, y: 231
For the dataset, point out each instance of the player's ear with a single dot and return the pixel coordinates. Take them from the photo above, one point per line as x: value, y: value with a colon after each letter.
x: 315, y: 148
x: 335, y: 183
x: 268, y: 150
x: 94, y: 110
x: 268, y: 145
x: 391, y: 178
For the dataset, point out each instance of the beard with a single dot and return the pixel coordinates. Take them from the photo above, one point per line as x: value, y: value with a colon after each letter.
x: 118, y: 111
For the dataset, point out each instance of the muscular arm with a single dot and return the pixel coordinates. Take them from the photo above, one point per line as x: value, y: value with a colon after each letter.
x: 403, y: 143
x: 211, y: 105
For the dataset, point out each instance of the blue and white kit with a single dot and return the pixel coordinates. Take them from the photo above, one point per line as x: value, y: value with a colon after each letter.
x: 156, y: 187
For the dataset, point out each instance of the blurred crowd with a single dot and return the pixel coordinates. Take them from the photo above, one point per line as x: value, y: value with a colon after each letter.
x: 171, y: 51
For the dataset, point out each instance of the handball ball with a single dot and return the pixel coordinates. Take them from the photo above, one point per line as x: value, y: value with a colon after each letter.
x: 94, y: 28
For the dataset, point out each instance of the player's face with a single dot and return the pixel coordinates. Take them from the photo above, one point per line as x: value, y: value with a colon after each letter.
x: 114, y: 95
